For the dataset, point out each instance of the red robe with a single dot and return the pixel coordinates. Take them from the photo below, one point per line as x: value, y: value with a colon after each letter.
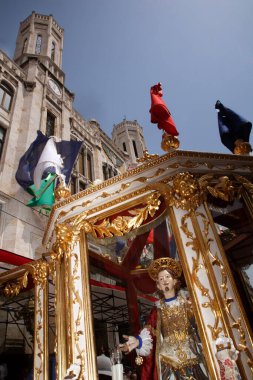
x: 149, y: 366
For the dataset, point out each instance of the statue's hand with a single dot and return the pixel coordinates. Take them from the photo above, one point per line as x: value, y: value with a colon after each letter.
x: 131, y: 343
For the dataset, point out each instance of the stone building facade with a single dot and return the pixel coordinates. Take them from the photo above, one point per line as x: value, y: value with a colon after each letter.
x: 33, y: 96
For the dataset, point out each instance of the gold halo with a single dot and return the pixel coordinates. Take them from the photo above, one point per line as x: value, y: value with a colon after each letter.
x: 163, y: 263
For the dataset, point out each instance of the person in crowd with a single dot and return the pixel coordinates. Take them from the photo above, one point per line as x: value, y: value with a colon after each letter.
x: 104, y: 365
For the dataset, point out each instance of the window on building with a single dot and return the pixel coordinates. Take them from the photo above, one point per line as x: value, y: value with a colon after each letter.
x: 89, y: 167
x: 2, y: 137
x: 105, y: 174
x: 81, y: 167
x: 124, y: 147
x: 73, y: 185
x: 38, y: 44
x: 50, y: 126
x: 135, y: 149
x: 24, y: 46
x: 6, y: 95
x: 82, y: 186
x: 53, y: 51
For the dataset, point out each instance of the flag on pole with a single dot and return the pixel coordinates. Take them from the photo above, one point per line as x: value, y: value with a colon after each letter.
x: 28, y: 162
x: 232, y: 126
x: 69, y: 151
x: 160, y: 114
x: 42, y: 163
x: 49, y: 158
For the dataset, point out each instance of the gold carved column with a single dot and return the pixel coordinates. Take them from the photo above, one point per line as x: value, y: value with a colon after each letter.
x: 15, y: 281
x: 40, y: 277
x: 75, y: 352
x: 216, y: 303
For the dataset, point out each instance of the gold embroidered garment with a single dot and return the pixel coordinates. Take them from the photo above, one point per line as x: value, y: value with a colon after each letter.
x: 176, y: 347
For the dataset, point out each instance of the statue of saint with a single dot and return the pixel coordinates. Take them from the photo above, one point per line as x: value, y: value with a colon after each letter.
x: 168, y: 347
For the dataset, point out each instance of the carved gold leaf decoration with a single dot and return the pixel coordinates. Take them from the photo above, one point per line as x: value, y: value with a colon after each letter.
x: 104, y: 195
x: 228, y: 301
x: 204, y: 181
x: 225, y: 189
x: 124, y: 224
x: 39, y: 325
x: 120, y: 225
x: 13, y: 288
x: 108, y: 229
x: 187, y: 193
x: 124, y: 186
x: 246, y: 183
x: 39, y: 271
x: 211, y: 303
x: 189, y: 164
x: 77, y: 300
x: 142, y: 179
x: 182, y: 192
x: 159, y: 172
x: 147, y: 156
x: 164, y: 189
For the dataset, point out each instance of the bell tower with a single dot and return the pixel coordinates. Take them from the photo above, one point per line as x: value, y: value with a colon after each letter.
x: 128, y: 136
x: 39, y: 35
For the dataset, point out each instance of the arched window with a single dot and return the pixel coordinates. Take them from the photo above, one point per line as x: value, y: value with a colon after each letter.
x: 124, y: 147
x: 24, y: 46
x: 2, y: 137
x: 110, y: 171
x: 135, y: 149
x: 89, y: 167
x: 6, y: 95
x: 38, y: 44
x: 105, y: 171
x: 53, y: 51
x: 81, y: 167
x: 73, y: 185
x: 50, y: 124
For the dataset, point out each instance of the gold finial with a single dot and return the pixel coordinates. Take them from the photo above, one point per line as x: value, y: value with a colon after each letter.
x: 61, y: 192
x: 169, y: 142
x: 242, y: 147
x: 146, y: 156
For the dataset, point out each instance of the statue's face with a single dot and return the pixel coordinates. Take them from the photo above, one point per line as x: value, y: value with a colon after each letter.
x: 165, y: 281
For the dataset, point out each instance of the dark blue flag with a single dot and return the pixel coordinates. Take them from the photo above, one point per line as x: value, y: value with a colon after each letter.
x: 28, y: 162
x: 232, y: 126
x: 69, y: 151
x: 44, y: 196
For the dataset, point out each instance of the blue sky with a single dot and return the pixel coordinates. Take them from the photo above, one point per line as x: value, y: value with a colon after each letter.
x: 115, y: 50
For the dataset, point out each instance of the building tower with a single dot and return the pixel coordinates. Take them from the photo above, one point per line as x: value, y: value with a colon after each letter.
x: 39, y: 35
x: 128, y: 136
x: 33, y: 97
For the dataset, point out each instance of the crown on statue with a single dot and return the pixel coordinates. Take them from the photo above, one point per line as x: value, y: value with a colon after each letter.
x: 163, y: 263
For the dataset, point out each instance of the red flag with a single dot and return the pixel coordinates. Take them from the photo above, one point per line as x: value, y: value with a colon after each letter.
x: 160, y: 114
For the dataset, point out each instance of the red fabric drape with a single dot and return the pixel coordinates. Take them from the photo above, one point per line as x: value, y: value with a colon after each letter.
x: 160, y: 114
